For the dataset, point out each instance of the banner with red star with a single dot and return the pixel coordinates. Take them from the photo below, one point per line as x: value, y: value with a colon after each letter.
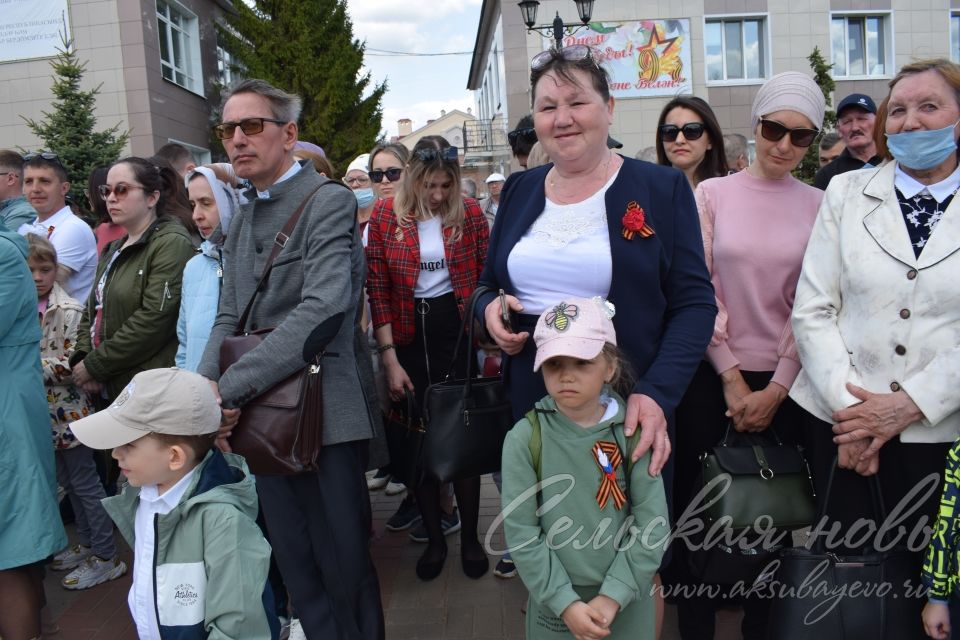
x: 645, y: 58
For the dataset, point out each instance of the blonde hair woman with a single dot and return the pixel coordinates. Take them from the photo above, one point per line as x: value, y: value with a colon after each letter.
x: 425, y: 252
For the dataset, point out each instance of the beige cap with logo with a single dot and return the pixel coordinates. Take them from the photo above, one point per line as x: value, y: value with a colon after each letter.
x: 171, y: 401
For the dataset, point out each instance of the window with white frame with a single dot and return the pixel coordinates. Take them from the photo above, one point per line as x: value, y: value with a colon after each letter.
x: 861, y: 45
x: 736, y: 49
x: 955, y: 37
x: 179, y: 45
x: 224, y: 67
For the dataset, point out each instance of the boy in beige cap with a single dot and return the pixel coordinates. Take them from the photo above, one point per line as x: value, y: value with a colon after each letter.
x: 200, y: 561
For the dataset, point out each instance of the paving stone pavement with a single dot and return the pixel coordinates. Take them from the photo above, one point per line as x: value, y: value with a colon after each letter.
x: 452, y: 607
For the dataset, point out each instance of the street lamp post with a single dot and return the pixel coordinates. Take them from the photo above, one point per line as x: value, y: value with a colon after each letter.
x: 528, y: 8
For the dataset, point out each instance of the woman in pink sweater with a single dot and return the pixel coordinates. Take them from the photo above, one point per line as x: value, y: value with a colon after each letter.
x: 755, y: 224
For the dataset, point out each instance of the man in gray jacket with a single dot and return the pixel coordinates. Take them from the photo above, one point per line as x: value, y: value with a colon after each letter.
x: 318, y: 522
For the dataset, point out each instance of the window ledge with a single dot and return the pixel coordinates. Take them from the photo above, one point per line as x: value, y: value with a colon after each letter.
x: 736, y: 83
x: 861, y: 78
x: 199, y: 94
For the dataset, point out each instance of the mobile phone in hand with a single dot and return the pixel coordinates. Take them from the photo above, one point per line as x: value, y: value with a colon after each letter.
x: 509, y: 317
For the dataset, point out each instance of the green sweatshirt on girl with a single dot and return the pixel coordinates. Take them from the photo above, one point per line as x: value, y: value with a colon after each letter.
x: 577, y: 549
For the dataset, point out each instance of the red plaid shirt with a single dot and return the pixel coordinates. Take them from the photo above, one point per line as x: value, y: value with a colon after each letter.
x: 393, y: 262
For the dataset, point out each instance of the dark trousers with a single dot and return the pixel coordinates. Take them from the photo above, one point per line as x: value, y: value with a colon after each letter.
x: 320, y: 532
x: 428, y: 359
x: 902, y: 467
x: 701, y: 425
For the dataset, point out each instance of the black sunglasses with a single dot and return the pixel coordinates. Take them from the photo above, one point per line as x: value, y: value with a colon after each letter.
x: 799, y: 137
x: 249, y: 126
x: 450, y: 154
x: 573, y: 53
x: 392, y: 174
x: 690, y: 131
x: 527, y: 133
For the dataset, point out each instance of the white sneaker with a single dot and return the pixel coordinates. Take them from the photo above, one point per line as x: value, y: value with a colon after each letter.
x: 94, y: 571
x: 70, y: 558
x: 377, y: 481
x: 394, y: 488
x: 296, y: 630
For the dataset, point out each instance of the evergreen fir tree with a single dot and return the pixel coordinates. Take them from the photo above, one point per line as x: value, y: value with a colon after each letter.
x: 68, y: 130
x: 821, y: 75
x: 308, y: 48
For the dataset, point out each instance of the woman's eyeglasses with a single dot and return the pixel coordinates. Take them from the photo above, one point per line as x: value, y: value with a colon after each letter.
x: 690, y: 131
x: 573, y: 53
x: 121, y: 190
x: 249, y: 126
x: 392, y: 174
x: 356, y: 181
x: 799, y: 137
x: 527, y: 133
x: 450, y: 154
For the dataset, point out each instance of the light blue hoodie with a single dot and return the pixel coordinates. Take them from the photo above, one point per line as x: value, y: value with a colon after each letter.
x: 202, y: 276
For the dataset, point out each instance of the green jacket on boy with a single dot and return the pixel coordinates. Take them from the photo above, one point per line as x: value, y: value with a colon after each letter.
x: 211, y: 561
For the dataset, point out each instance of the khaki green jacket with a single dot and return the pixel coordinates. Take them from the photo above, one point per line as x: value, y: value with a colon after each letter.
x: 141, y: 303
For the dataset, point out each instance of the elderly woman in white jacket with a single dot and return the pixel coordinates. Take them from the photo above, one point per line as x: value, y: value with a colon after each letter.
x: 877, y: 310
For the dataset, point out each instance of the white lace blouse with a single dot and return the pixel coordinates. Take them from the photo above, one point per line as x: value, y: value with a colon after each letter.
x: 565, y: 252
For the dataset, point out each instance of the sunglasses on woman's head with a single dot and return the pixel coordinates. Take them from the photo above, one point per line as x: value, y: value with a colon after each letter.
x: 392, y: 174
x: 573, y: 53
x: 690, y: 131
x: 450, y: 154
x: 799, y: 137
x: 121, y: 190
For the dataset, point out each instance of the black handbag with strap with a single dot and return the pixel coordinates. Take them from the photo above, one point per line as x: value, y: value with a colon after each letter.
x: 764, y: 478
x: 748, y: 480
x: 821, y: 594
x: 467, y: 419
x: 280, y: 431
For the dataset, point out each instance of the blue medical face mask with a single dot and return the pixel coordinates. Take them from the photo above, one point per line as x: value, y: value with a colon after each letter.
x: 922, y: 150
x: 365, y: 197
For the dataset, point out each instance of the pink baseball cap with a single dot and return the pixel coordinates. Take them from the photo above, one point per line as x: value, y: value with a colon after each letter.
x: 575, y: 327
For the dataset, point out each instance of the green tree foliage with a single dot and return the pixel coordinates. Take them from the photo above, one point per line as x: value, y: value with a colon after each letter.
x: 821, y: 75
x: 69, y: 128
x: 308, y: 48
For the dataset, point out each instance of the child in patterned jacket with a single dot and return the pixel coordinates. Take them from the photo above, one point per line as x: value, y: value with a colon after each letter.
x: 93, y: 559
x: 941, y: 570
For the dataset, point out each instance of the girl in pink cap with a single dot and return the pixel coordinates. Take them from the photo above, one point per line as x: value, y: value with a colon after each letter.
x: 585, y: 526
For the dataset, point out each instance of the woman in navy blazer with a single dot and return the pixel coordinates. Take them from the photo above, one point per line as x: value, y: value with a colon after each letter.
x: 665, y: 304
x: 594, y: 223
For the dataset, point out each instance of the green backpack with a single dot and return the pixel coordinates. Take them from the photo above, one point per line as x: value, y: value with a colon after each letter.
x: 536, y: 445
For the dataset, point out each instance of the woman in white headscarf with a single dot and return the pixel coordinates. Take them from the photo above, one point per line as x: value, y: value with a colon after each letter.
x: 214, y: 202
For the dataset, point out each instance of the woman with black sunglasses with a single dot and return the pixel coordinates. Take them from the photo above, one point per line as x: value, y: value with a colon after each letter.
x: 755, y: 224
x: 425, y: 251
x: 689, y: 139
x: 386, y: 168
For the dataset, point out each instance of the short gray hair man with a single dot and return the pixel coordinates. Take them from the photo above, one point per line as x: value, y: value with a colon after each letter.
x: 318, y: 520
x: 735, y: 146
x: 468, y: 187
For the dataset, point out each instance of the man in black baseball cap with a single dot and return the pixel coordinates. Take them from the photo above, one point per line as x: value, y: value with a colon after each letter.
x: 856, y: 115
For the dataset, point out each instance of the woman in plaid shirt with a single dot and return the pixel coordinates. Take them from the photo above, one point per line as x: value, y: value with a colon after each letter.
x: 425, y: 252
